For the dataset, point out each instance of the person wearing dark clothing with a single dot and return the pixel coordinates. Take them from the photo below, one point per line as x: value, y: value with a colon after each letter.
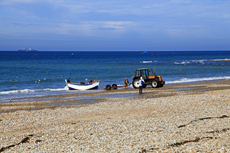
x: 141, y: 83
x: 68, y: 80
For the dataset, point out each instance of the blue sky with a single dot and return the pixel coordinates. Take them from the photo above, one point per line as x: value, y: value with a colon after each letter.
x: 115, y: 25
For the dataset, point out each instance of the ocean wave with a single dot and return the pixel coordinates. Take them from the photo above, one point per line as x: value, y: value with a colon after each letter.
x: 203, y: 61
x: 147, y: 61
x: 220, y: 60
x: 181, y: 63
x: 191, y: 62
x: 30, y: 90
x: 189, y: 80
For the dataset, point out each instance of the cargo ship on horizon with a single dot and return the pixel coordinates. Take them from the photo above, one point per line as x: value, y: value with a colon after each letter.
x: 27, y: 49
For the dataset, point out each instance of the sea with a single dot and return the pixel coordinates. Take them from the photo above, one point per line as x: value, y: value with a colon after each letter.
x: 41, y: 73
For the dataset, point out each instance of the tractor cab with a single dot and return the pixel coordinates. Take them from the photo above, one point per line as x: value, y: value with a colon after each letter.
x: 145, y: 73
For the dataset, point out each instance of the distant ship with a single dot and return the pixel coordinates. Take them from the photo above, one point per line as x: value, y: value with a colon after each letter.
x: 27, y: 49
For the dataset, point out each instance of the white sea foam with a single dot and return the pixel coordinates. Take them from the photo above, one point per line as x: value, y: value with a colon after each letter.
x: 201, y: 61
x: 30, y: 90
x: 147, y: 61
x: 190, y: 62
x: 221, y: 60
x: 182, y: 63
x: 188, y: 80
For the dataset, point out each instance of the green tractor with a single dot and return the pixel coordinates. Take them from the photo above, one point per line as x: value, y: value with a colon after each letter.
x: 149, y: 77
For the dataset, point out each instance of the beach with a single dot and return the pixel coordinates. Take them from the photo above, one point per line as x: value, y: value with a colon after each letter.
x: 193, y: 117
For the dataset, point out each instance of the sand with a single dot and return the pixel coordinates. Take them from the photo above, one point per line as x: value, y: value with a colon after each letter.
x: 178, y: 118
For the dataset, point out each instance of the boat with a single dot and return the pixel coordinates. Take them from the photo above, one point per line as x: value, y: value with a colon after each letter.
x: 144, y: 52
x: 82, y: 86
x: 27, y: 49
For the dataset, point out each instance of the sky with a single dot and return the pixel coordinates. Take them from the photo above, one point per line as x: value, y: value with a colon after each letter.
x: 115, y: 25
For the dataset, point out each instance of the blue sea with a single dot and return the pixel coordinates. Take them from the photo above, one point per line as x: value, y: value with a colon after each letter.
x: 29, y: 74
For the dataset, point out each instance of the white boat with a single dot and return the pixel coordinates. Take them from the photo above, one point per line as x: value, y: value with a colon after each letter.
x: 78, y: 86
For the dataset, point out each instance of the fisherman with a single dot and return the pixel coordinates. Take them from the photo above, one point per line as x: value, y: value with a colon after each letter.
x: 126, y: 83
x: 68, y: 80
x: 141, y: 83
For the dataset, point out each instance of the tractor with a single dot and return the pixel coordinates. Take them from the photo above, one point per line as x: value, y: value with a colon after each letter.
x: 149, y: 77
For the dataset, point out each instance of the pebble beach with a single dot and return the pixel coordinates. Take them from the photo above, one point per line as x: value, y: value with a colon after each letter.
x: 191, y: 117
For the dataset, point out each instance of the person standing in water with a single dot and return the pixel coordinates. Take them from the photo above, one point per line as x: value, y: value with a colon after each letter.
x: 141, y: 83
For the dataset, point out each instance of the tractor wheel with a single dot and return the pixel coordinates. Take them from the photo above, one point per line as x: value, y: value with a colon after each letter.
x: 136, y: 83
x: 108, y: 87
x: 154, y: 84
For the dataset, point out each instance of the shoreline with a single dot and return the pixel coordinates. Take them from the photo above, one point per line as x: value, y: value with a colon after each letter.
x: 45, y: 94
x: 66, y: 100
x: 192, y: 117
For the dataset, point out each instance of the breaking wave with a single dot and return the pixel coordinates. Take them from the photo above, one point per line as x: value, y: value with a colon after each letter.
x: 30, y: 91
x: 201, y: 61
x: 189, y: 80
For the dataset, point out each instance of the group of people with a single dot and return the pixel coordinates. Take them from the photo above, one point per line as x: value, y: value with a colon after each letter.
x: 141, y: 83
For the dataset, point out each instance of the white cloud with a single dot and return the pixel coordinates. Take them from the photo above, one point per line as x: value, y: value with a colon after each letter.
x: 84, y: 29
x: 92, y: 28
x: 114, y: 18
x: 119, y: 25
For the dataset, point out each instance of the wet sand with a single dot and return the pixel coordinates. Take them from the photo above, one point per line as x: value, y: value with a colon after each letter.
x: 79, y: 99
x: 184, y: 117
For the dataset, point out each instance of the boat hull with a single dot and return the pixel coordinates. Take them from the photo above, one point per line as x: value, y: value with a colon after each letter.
x: 90, y: 86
